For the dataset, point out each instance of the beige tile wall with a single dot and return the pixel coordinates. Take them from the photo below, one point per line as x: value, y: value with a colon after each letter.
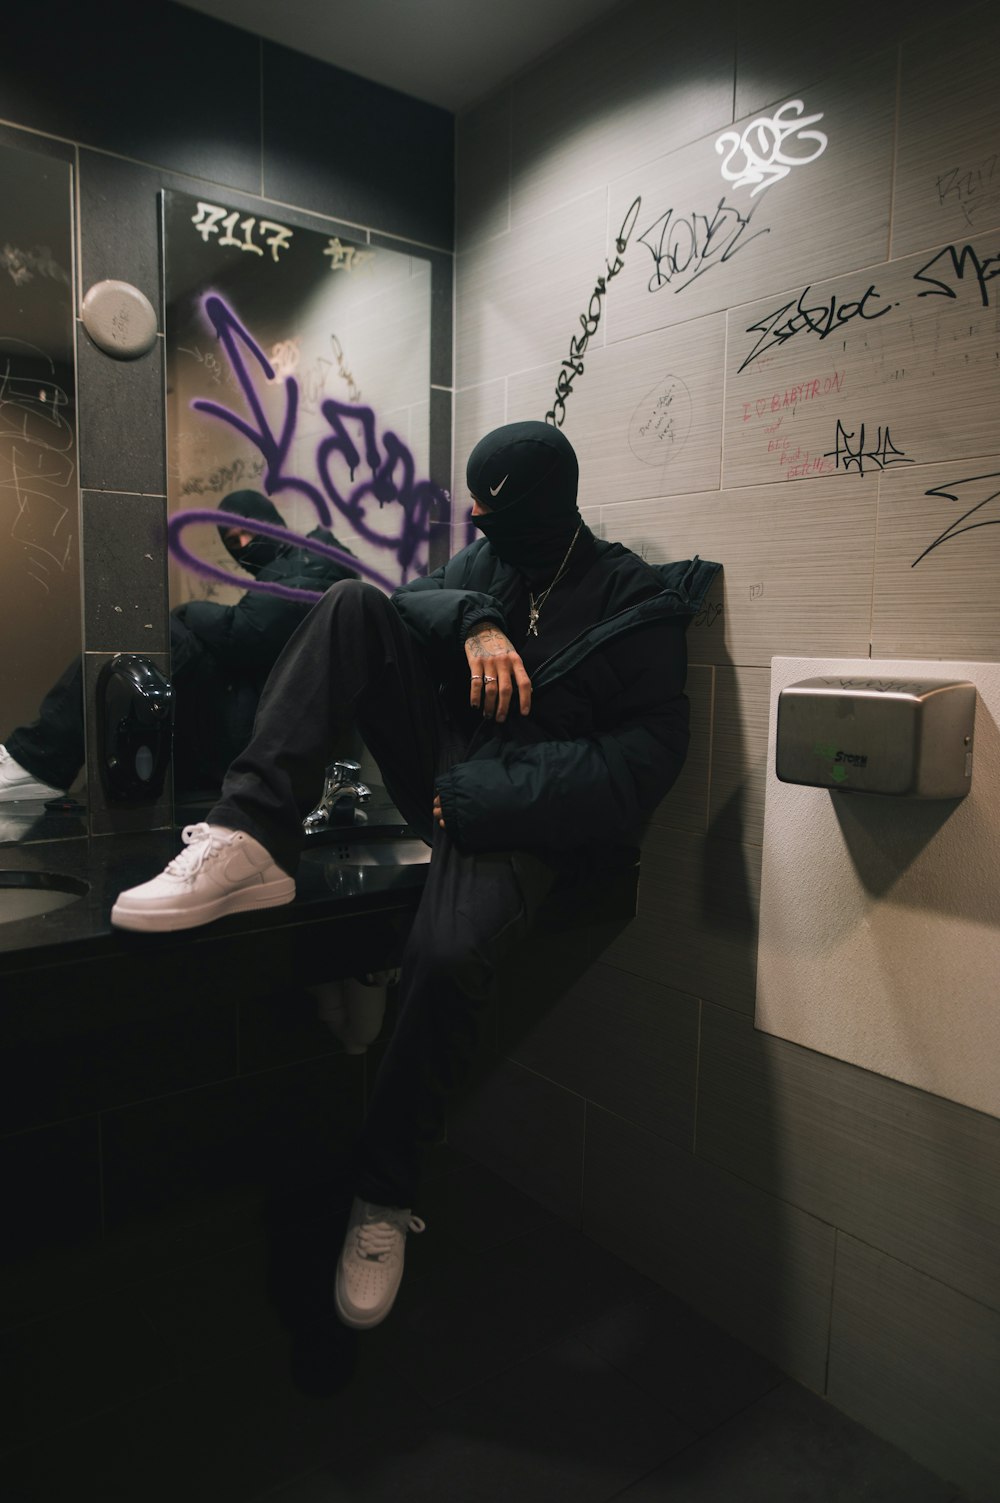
x: 948, y: 169
x: 721, y: 244
x: 829, y: 299
x: 641, y: 84
x: 911, y: 1358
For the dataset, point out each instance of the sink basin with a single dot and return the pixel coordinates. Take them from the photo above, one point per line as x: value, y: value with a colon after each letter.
x: 30, y: 894
x: 392, y: 852
x: 352, y: 868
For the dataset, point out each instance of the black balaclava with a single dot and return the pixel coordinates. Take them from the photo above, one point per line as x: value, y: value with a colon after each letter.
x: 527, y: 474
x: 252, y: 507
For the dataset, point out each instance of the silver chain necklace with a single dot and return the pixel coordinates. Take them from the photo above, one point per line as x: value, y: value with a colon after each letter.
x: 535, y: 605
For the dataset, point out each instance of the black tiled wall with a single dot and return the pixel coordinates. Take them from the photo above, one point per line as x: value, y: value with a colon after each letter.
x: 174, y: 1098
x: 188, y: 103
x: 332, y: 138
x: 121, y: 1114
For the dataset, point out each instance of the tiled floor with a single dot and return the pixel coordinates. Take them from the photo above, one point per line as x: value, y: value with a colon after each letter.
x: 522, y: 1364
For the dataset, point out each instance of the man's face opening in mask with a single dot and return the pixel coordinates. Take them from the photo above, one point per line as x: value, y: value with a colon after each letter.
x: 252, y: 550
x: 236, y: 540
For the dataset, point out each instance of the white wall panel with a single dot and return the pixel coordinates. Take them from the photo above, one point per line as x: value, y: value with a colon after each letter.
x: 879, y: 926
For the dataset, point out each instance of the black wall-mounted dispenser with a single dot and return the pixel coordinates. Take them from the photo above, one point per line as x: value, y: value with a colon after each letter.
x: 134, y: 703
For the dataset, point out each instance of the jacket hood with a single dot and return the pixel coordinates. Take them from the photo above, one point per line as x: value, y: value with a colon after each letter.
x: 252, y: 507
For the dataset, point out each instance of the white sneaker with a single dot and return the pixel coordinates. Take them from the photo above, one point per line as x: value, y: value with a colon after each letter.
x: 16, y: 782
x: 371, y: 1263
x: 222, y: 871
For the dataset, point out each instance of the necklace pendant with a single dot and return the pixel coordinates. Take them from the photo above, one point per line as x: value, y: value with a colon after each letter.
x: 533, y: 621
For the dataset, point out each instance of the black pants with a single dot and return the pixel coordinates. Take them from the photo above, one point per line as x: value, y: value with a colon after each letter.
x: 353, y: 659
x: 52, y: 747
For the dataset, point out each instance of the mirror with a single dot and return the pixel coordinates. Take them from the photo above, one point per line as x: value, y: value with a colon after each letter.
x: 298, y: 432
x: 41, y: 699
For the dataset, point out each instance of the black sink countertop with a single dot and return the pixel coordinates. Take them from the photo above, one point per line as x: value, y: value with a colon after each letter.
x: 330, y: 886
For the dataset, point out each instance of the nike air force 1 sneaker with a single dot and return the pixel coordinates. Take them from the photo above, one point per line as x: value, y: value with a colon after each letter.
x: 220, y: 871
x: 371, y: 1264
x: 17, y: 783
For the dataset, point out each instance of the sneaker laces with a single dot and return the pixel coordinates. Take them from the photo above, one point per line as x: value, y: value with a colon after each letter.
x: 377, y: 1239
x: 202, y: 841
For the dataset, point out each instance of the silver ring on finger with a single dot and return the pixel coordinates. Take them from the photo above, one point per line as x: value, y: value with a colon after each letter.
x: 477, y: 678
x: 490, y: 680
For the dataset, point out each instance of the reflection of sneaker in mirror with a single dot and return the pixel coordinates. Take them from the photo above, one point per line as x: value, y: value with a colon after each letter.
x: 353, y: 1009
x: 16, y: 782
x: 331, y: 1009
x: 364, y: 997
x: 371, y: 1263
x: 221, y: 871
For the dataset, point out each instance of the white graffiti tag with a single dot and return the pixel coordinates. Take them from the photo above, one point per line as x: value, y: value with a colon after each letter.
x: 761, y: 146
x: 347, y: 257
x: 209, y: 218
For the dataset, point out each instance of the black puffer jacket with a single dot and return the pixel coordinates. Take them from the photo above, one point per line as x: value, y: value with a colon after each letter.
x: 608, y: 729
x: 221, y: 655
x: 249, y: 635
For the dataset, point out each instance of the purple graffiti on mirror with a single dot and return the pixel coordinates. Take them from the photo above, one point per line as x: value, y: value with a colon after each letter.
x: 390, y: 467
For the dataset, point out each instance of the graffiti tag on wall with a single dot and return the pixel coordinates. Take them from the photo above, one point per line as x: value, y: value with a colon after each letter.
x: 573, y: 365
x: 759, y: 153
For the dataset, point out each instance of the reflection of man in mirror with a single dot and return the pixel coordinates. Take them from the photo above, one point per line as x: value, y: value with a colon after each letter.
x: 525, y: 704
x: 220, y: 657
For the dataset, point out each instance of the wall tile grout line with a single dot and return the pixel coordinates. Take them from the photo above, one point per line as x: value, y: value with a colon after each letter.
x: 695, y: 1105
x: 829, y: 1326
x: 260, y: 107
x: 100, y: 1174
x: 895, y: 149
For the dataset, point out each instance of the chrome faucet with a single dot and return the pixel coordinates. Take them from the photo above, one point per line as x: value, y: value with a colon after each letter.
x: 343, y: 780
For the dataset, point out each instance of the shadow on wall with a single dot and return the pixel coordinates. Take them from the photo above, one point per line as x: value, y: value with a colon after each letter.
x: 887, y: 836
x: 729, y: 888
x: 750, y: 1240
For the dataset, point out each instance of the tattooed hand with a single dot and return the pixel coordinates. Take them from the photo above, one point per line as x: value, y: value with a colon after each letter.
x: 495, y: 668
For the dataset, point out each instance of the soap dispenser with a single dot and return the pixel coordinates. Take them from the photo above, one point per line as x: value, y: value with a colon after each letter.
x: 134, y: 702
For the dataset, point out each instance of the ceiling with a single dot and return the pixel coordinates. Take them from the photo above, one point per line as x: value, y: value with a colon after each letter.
x: 447, y: 52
